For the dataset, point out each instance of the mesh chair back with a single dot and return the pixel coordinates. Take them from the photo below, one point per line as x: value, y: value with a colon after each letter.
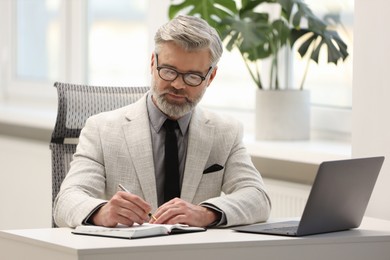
x: 75, y: 104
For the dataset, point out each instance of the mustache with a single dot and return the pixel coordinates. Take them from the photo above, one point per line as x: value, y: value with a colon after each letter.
x: 175, y: 91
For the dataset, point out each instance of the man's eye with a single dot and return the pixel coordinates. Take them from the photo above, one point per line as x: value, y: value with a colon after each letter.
x: 168, y: 72
x: 193, y: 77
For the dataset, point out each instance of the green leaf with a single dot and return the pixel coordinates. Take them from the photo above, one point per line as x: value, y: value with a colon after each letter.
x: 281, y: 32
x: 213, y: 11
x: 250, y: 5
x: 257, y: 37
x: 303, y: 49
x: 336, y: 48
x: 248, y: 31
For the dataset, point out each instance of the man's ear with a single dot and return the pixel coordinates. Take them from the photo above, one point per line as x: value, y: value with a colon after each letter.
x: 152, y: 60
x: 212, y: 75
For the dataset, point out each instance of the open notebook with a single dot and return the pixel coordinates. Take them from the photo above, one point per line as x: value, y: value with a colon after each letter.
x: 136, y: 231
x: 337, y: 200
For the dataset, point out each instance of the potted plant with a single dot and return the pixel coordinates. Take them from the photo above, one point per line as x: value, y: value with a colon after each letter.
x: 258, y: 35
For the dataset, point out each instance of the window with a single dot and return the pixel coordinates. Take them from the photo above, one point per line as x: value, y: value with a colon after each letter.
x: 330, y: 85
x: 87, y: 41
x: 117, y: 42
x: 110, y: 42
x: 32, y: 36
x: 37, y: 39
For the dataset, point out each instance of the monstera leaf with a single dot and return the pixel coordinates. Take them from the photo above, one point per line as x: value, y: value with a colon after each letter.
x: 244, y: 33
x: 316, y: 32
x: 213, y: 11
x: 336, y: 48
x: 251, y: 31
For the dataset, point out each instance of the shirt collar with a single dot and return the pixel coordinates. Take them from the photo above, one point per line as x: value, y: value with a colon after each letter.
x: 157, y: 118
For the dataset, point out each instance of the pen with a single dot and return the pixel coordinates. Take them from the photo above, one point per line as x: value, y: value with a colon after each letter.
x: 124, y: 189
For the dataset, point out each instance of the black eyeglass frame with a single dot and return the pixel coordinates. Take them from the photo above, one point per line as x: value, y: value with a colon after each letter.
x: 182, y: 74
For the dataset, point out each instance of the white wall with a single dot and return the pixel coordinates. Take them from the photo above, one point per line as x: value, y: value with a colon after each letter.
x: 25, y: 184
x: 371, y: 93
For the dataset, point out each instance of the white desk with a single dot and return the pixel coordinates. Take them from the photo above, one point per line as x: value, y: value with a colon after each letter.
x: 370, y: 241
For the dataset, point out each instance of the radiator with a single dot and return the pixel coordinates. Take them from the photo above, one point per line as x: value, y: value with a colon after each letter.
x: 288, y: 199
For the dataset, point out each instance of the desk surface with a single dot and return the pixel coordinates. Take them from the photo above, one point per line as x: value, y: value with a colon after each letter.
x: 370, y: 241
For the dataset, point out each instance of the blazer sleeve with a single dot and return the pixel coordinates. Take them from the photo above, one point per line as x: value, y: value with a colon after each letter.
x: 244, y: 199
x: 85, y: 181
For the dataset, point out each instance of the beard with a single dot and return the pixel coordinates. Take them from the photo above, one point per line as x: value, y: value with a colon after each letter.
x: 171, y: 109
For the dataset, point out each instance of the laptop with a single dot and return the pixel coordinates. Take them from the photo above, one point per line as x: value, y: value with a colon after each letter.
x: 337, y: 200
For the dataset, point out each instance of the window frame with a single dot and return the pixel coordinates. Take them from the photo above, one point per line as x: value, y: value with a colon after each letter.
x: 74, y: 58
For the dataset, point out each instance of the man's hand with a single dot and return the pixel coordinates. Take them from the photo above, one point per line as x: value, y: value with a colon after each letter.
x: 179, y: 211
x: 124, y: 208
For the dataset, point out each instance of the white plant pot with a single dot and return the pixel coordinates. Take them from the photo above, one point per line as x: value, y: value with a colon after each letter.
x: 282, y: 115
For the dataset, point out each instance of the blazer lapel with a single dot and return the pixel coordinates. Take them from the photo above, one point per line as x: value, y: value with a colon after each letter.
x: 139, y: 143
x: 200, y: 141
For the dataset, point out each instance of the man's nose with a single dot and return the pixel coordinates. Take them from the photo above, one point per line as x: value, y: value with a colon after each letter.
x: 178, y: 83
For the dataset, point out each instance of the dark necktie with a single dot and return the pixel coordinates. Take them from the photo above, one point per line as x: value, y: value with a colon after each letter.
x: 172, y: 177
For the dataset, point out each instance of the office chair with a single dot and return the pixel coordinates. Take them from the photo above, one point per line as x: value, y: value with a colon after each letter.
x: 75, y: 104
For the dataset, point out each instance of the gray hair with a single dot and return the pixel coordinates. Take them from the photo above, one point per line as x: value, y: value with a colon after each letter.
x: 191, y: 33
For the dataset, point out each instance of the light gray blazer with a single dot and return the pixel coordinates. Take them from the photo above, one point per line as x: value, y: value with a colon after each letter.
x: 115, y: 147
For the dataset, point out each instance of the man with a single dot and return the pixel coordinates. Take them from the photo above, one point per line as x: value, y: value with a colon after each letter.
x: 217, y: 184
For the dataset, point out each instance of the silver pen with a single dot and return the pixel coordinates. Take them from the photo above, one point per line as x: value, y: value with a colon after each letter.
x: 125, y: 190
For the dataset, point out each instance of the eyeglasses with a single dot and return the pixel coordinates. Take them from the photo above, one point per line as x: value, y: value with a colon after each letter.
x: 191, y: 79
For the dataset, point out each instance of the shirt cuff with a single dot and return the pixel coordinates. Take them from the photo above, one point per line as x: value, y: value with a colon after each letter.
x: 219, y: 222
x: 87, y: 220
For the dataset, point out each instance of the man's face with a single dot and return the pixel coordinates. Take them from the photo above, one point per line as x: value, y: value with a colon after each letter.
x: 176, y: 98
